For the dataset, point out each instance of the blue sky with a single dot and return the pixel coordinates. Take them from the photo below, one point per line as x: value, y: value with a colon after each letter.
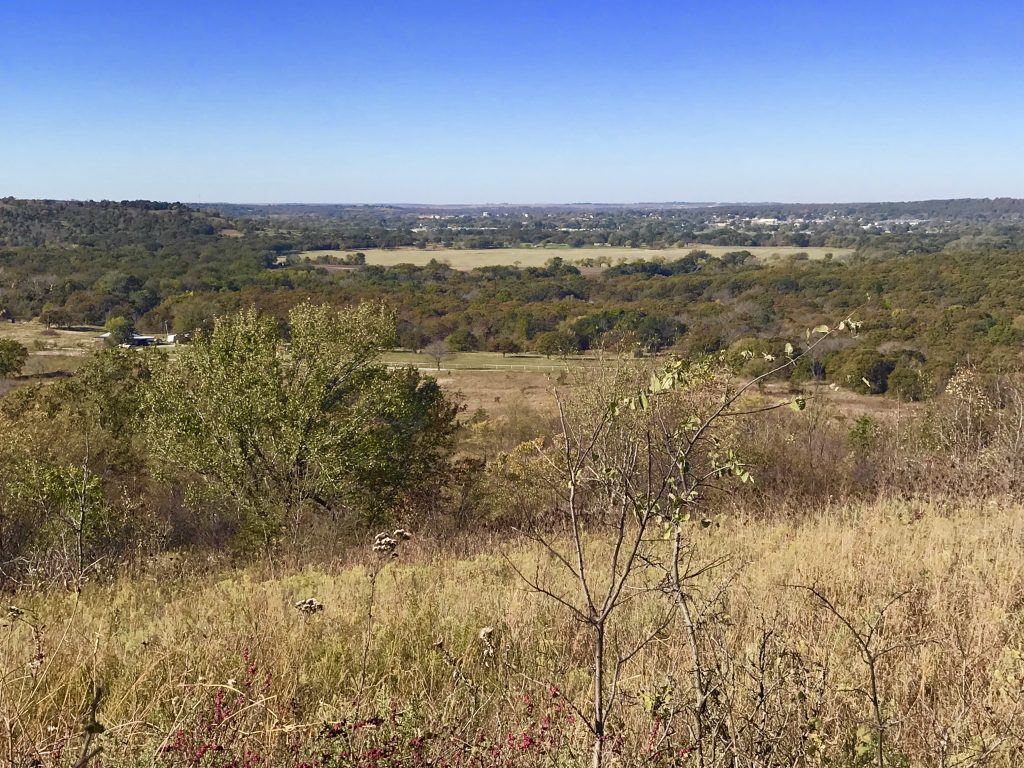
x: 511, y: 101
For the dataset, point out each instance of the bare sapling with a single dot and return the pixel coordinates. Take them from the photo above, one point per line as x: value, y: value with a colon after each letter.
x: 633, y: 473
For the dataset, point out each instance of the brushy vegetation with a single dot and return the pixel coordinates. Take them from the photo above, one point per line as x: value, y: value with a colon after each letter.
x: 202, y: 665
x: 600, y: 585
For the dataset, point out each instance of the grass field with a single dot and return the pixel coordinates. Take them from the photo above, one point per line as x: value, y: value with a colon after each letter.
x: 489, y: 361
x: 38, y: 338
x: 196, y: 654
x: 466, y: 259
x: 52, y: 353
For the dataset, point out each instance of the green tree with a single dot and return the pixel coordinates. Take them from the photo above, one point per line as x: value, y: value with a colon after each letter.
x: 72, y: 486
x: 906, y: 382
x: 314, y: 423
x: 506, y: 345
x: 12, y: 357
x: 52, y: 315
x: 462, y: 340
x: 867, y: 371
x: 554, y: 343
x: 121, y: 330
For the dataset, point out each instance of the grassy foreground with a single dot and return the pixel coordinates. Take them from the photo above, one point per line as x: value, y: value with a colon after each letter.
x: 206, y: 665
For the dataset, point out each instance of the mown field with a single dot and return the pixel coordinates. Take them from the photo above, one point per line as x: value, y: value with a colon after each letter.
x: 52, y: 353
x: 38, y: 338
x: 466, y: 259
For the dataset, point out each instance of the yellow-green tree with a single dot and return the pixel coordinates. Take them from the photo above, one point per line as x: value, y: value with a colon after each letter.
x: 12, y: 357
x: 284, y: 421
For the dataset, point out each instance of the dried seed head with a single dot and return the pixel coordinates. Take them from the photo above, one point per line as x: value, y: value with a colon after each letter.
x: 485, y: 637
x: 309, y: 606
x: 384, y: 543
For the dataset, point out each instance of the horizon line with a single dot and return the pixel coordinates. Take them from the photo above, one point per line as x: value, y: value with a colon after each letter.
x: 689, y: 203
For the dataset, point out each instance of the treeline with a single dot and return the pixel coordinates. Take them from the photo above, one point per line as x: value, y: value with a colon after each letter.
x: 91, y: 284
x: 925, y: 304
x: 900, y: 227
x: 257, y: 434
x: 103, y: 224
x: 922, y: 314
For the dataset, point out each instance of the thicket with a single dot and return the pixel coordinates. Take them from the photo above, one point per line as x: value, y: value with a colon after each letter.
x: 254, y: 434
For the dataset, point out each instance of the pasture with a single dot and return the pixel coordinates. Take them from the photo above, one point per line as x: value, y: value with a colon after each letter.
x: 38, y: 338
x: 467, y: 259
x: 53, y: 353
x: 463, y: 657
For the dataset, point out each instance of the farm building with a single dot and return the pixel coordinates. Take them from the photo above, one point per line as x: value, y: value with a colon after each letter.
x: 137, y: 339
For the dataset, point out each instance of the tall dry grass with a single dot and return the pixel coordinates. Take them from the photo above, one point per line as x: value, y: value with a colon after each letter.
x: 209, y: 665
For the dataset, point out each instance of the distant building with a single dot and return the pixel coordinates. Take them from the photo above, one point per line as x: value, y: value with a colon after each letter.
x: 138, y: 340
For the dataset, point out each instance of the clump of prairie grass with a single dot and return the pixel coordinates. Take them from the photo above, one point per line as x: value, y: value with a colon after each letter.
x: 469, y: 667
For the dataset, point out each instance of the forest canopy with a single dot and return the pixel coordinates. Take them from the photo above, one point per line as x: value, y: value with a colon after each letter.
x: 936, y: 282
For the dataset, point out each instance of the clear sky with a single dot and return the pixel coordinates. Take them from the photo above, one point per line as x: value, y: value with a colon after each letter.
x: 496, y: 101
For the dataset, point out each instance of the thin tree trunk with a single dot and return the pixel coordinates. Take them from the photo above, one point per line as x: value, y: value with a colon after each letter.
x: 598, y: 761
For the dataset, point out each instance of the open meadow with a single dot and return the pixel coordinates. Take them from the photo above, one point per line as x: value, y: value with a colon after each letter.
x: 465, y: 664
x: 468, y: 258
x: 52, y: 353
x: 38, y: 338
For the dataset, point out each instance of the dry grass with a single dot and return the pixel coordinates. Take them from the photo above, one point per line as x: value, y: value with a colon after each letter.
x: 490, y: 361
x: 37, y: 337
x: 490, y: 382
x: 163, y: 643
x: 53, y: 353
x: 466, y: 258
x: 499, y: 392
